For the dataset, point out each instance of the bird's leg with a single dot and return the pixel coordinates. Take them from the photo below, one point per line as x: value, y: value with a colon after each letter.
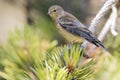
x: 69, y: 46
x: 85, y: 54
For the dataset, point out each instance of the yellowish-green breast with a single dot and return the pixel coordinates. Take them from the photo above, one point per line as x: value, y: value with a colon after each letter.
x: 68, y: 36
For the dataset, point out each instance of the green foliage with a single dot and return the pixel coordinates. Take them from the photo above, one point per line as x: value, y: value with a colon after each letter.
x: 70, y: 58
x: 113, y: 43
x: 108, y: 66
x: 48, y: 29
x: 29, y: 56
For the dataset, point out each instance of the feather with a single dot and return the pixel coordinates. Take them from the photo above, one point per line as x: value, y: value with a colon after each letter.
x: 72, y: 25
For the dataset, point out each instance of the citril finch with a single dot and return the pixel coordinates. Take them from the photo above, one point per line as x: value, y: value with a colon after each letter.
x: 71, y: 28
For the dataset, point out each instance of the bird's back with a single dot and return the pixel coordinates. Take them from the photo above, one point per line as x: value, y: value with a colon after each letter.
x: 67, y: 17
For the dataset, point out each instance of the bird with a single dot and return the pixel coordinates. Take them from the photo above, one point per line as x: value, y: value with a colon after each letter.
x: 71, y: 28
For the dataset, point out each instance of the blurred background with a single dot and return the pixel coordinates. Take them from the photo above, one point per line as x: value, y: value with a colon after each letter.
x: 17, y: 13
x: 27, y: 33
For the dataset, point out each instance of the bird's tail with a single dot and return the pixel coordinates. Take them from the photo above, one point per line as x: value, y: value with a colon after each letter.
x: 99, y: 44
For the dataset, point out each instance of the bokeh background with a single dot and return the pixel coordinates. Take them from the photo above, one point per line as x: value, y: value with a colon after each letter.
x: 17, y: 13
x: 27, y: 33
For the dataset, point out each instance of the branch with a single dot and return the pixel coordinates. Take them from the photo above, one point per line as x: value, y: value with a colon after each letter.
x: 106, y: 7
x: 110, y: 24
x: 113, y: 22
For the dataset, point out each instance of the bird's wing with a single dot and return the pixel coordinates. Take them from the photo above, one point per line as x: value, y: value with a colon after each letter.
x: 70, y: 21
x: 71, y: 26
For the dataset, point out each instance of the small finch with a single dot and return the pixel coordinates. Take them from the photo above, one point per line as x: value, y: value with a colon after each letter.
x: 71, y: 28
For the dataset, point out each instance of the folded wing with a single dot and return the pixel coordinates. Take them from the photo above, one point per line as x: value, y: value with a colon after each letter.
x: 77, y: 29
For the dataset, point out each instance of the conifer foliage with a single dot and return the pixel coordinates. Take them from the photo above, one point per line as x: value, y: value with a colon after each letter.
x: 28, y: 56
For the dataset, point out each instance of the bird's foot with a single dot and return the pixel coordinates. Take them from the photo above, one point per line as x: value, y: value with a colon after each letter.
x: 86, y: 56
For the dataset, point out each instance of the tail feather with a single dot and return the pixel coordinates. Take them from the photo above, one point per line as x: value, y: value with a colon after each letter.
x: 99, y: 44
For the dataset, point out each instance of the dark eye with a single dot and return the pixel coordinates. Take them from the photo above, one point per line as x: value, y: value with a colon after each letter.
x: 54, y: 10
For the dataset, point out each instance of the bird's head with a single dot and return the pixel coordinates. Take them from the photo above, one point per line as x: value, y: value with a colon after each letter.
x: 55, y: 11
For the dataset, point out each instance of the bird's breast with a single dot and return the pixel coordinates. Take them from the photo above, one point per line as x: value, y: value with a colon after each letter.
x: 68, y: 36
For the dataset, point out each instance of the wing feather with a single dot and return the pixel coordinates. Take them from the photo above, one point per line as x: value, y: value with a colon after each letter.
x: 77, y: 29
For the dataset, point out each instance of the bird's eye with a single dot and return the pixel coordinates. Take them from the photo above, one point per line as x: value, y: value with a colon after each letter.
x: 54, y: 10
